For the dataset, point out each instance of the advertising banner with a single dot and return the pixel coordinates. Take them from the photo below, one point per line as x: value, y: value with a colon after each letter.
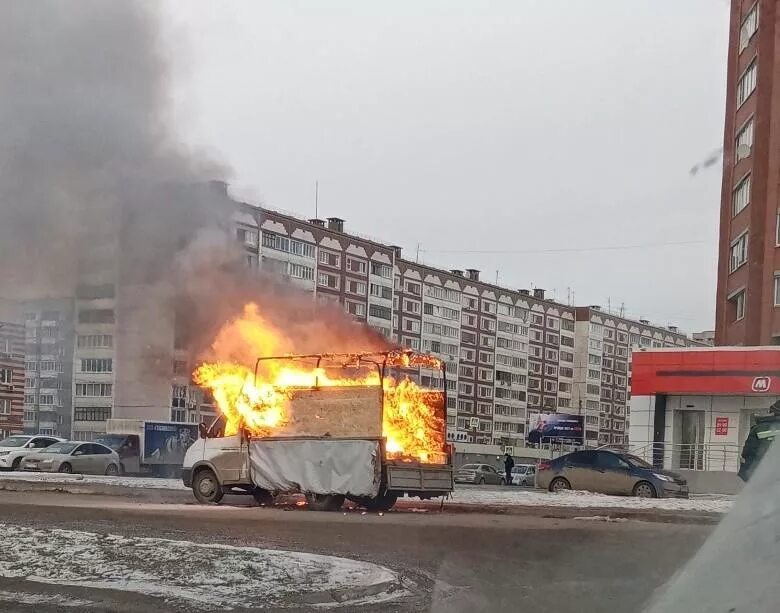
x: 167, y: 442
x: 555, y: 428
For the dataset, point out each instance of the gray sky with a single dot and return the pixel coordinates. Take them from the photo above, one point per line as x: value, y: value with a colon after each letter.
x: 473, y: 126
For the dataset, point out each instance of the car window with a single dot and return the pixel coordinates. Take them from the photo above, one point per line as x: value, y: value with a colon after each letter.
x: 39, y: 443
x: 100, y: 449
x: 50, y: 441
x: 489, y: 469
x: 581, y: 458
x: 610, y: 460
x: 60, y: 448
x: 82, y: 449
x: 470, y: 467
x: 531, y: 470
x: 14, y: 441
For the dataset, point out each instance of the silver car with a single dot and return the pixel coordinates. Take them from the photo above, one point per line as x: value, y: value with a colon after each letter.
x: 478, y: 474
x: 74, y: 457
x: 524, y: 474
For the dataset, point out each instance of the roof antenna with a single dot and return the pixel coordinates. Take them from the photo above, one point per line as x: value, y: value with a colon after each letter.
x: 316, y: 199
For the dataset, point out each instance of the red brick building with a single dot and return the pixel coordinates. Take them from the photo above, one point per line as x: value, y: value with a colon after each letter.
x: 11, y: 378
x: 748, y: 294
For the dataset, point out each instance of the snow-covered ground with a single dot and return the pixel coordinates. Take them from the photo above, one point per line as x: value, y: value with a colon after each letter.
x: 575, y: 499
x: 60, y: 478
x: 210, y: 576
x: 515, y: 496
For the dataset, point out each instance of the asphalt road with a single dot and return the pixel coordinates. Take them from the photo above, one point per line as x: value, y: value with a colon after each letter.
x: 450, y: 562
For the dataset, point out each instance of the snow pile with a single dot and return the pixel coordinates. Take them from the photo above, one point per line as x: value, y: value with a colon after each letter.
x: 208, y: 576
x: 44, y: 599
x: 580, y: 499
x: 123, y: 481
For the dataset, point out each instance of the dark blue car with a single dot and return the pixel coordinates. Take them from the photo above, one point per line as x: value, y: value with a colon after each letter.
x: 610, y: 472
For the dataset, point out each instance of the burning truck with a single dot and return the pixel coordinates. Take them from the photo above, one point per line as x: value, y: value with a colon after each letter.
x: 332, y: 426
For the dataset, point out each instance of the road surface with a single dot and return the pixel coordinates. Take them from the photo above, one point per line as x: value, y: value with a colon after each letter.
x: 442, y: 561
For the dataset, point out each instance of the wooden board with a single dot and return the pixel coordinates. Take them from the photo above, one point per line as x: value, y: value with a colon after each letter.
x: 335, y: 411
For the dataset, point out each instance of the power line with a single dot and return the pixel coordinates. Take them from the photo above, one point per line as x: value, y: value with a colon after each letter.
x: 567, y: 249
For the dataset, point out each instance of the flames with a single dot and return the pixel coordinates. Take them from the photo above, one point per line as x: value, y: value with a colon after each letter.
x: 412, y: 420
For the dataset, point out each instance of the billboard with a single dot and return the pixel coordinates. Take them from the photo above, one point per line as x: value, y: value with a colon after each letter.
x: 166, y: 442
x: 555, y: 428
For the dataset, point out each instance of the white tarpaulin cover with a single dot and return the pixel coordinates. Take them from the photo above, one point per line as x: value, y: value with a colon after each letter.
x: 320, y: 466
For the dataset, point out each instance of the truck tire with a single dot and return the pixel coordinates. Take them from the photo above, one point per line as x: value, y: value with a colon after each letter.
x: 263, y: 497
x: 206, y: 487
x: 325, y: 502
x: 383, y: 502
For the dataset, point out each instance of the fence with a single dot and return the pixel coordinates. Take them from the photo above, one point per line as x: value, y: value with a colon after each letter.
x: 696, y: 456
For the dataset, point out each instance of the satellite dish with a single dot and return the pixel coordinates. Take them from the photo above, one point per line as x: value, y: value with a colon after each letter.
x: 743, y: 151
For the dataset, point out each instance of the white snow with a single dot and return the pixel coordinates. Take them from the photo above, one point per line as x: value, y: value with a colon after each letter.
x: 580, y: 499
x: 208, y: 576
x: 123, y: 481
x: 51, y: 599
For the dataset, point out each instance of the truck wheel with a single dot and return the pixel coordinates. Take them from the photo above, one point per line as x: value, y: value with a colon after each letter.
x: 383, y: 502
x: 206, y: 487
x: 324, y: 502
x: 262, y: 497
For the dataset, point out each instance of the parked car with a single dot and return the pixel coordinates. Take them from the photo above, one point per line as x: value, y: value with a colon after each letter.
x: 74, y: 457
x: 14, y: 448
x: 610, y: 472
x: 478, y: 474
x: 524, y: 474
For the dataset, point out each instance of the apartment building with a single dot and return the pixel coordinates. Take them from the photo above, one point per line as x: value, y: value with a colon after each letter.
x: 748, y: 292
x: 602, y: 372
x: 11, y: 378
x: 48, y: 361
x: 507, y: 352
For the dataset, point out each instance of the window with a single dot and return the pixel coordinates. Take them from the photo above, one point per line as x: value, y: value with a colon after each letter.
x: 737, y: 302
x: 6, y: 376
x: 537, y: 319
x: 551, y: 370
x: 411, y: 325
x: 747, y: 83
x: 594, y: 374
x: 46, y: 399
x: 329, y: 258
x: 440, y: 311
x: 412, y: 306
x: 777, y: 229
x: 413, y: 288
x: 594, y: 390
x: 551, y: 355
x: 96, y: 316
x: 248, y: 237
x: 97, y: 365
x: 567, y: 324
x: 356, y: 287
x: 488, y: 324
x: 550, y: 386
x: 91, y: 413
x: 381, y: 291
x: 607, y: 362
x: 487, y: 341
x: 5, y: 406
x: 356, y: 308
x: 567, y: 341
x: 50, y: 366
x: 485, y: 374
x: 95, y: 341
x: 412, y: 343
x: 551, y: 339
x: 740, y: 197
x: 552, y: 323
x: 94, y: 389
x: 91, y: 292
x: 485, y: 357
x: 288, y: 245
x: 594, y: 360
x: 467, y: 354
x: 535, y: 335
x: 382, y: 312
x: 326, y: 280
x: 358, y: 266
x: 470, y: 303
x: 565, y: 371
x: 744, y: 141
x: 488, y: 307
x: 484, y: 391
x: 381, y: 270
x: 738, y: 252
x: 465, y: 388
x: 299, y: 271
x: 748, y: 28
x: 484, y: 408
x: 777, y: 289
x: 441, y: 293
x: 466, y: 371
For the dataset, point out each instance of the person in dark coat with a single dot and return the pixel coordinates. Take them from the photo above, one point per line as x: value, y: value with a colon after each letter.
x: 509, y: 464
x: 759, y: 440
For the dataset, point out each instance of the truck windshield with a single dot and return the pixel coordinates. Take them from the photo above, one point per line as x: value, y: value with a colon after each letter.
x: 114, y: 441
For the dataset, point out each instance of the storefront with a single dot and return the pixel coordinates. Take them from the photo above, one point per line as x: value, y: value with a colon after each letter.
x: 692, y: 408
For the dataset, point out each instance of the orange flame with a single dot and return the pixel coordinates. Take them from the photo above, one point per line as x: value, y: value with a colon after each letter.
x: 413, y: 418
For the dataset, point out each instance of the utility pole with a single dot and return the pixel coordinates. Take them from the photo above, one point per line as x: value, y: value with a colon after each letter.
x: 316, y: 199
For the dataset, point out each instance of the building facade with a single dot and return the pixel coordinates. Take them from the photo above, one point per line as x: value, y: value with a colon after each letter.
x: 508, y: 353
x: 748, y: 293
x: 11, y: 378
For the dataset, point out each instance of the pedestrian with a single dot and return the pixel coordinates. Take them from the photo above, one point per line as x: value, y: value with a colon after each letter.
x: 509, y: 464
x: 758, y: 441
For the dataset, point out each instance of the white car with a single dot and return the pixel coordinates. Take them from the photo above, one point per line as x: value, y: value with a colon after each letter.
x: 524, y: 474
x: 14, y: 448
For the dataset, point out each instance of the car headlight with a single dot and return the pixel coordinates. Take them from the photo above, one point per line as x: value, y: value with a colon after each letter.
x: 4, y: 452
x: 664, y: 477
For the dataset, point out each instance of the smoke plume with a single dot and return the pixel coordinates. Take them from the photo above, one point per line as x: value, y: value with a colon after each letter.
x: 96, y: 187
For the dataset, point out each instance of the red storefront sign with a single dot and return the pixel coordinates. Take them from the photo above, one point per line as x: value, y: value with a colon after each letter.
x: 727, y: 370
x: 721, y: 426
